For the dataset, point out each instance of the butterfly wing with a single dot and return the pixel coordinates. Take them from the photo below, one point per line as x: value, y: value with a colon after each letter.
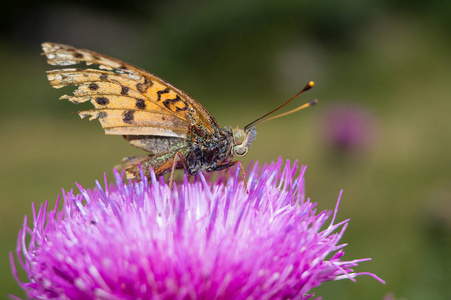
x: 127, y: 100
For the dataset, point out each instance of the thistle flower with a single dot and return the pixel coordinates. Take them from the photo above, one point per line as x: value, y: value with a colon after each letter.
x: 201, y: 240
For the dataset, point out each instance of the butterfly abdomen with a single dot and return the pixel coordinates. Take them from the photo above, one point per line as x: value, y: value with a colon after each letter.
x: 154, y: 144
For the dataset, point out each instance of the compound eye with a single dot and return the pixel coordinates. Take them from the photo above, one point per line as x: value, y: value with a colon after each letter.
x: 241, y: 151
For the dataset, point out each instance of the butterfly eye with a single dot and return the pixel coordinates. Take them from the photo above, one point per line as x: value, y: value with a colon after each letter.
x: 240, y: 151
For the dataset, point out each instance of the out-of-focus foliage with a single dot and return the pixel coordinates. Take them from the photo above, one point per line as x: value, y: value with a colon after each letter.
x: 241, y: 59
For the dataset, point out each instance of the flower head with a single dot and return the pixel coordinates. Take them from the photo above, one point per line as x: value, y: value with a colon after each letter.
x: 200, y: 240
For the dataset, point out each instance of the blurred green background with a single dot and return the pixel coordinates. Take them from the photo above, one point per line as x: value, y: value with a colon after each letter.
x: 381, y: 130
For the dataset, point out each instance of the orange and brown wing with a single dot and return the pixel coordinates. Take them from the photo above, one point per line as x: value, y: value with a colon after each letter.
x: 127, y: 99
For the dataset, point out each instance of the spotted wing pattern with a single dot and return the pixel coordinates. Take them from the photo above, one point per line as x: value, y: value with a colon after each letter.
x: 127, y: 100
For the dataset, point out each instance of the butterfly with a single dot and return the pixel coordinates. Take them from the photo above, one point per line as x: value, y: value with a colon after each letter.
x: 151, y: 114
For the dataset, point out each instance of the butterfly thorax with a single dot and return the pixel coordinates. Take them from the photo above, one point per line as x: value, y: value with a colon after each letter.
x: 207, y: 153
x: 215, y: 152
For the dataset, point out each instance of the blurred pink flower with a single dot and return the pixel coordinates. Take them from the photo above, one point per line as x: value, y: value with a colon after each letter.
x: 201, y: 240
x: 348, y: 128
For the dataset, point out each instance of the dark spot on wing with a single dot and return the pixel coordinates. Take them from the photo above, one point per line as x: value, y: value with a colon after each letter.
x: 102, y: 114
x: 124, y: 90
x: 102, y: 100
x: 96, y: 57
x: 165, y: 91
x: 176, y: 100
x: 103, y: 77
x: 78, y: 55
x: 140, y: 104
x: 143, y: 87
x: 128, y: 116
x: 93, y: 86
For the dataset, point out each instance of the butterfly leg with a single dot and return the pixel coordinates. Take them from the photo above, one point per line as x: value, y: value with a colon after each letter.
x: 131, y: 165
x: 160, y: 164
x: 177, y: 157
x: 191, y: 133
x: 228, y: 165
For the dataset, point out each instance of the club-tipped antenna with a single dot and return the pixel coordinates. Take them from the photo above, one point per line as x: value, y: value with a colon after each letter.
x: 260, y: 120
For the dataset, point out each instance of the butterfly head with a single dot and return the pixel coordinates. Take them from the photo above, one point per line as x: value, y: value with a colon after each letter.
x: 242, y: 140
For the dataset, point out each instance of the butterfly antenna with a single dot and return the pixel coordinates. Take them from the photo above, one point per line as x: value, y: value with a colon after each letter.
x: 260, y: 120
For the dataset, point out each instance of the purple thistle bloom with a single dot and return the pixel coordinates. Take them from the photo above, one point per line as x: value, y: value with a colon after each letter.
x: 202, y: 240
